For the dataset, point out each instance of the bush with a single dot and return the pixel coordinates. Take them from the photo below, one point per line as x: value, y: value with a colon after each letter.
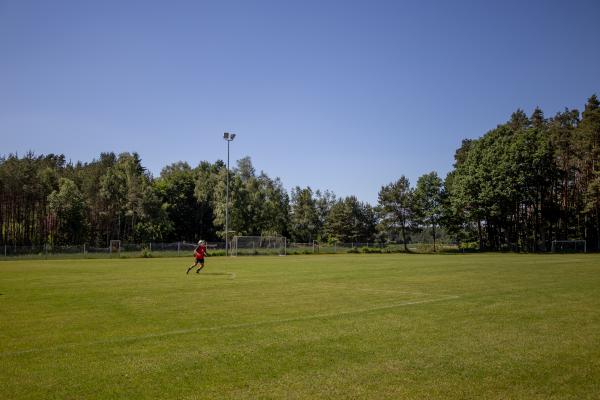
x: 369, y: 250
x: 424, y: 248
x: 468, y: 246
x: 393, y: 249
x: 146, y: 253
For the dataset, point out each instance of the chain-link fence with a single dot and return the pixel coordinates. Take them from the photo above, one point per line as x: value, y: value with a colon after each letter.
x: 186, y: 249
x: 364, y: 247
x: 333, y: 248
x: 175, y: 249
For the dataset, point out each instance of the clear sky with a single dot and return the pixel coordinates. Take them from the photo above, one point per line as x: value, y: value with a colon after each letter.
x: 339, y: 95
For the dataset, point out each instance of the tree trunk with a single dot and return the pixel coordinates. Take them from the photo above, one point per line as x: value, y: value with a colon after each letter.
x: 597, y: 227
x: 433, y: 230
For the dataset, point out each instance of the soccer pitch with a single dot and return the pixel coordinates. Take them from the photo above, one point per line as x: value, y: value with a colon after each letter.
x: 397, y: 326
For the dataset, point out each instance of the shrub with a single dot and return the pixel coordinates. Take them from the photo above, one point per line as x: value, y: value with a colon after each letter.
x: 468, y: 246
x: 368, y: 250
x: 146, y: 253
x: 424, y: 248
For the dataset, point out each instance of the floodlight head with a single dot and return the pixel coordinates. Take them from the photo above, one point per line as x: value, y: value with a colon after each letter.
x: 232, y: 136
x: 226, y: 135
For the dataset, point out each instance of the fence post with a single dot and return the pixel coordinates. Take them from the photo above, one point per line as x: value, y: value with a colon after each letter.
x: 335, y: 247
x: 178, y: 247
x: 4, y: 249
x: 150, y: 247
x: 84, y: 253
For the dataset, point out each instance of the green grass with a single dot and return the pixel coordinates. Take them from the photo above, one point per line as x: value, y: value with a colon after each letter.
x: 397, y: 326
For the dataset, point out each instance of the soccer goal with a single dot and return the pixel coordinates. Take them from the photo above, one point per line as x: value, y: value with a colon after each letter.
x: 258, y: 245
x: 569, y: 246
x: 115, y: 247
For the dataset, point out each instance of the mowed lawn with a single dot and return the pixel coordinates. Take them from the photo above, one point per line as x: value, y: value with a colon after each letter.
x: 489, y: 326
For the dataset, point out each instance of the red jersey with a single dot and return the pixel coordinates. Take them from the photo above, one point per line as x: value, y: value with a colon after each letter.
x: 200, y: 251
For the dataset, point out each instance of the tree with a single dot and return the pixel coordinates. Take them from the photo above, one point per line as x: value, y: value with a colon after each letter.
x: 113, y: 197
x: 153, y: 221
x: 537, y: 118
x: 324, y: 200
x: 68, y: 207
x: 258, y: 205
x: 207, y: 181
x: 88, y: 177
x: 275, y: 214
x: 350, y: 221
x: 304, y: 219
x: 565, y: 139
x: 428, y: 201
x: 518, y: 120
x: 396, y: 202
x: 176, y: 188
x: 590, y: 132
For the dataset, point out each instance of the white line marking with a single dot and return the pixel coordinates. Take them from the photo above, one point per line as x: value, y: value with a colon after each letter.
x: 347, y: 287
x: 233, y: 326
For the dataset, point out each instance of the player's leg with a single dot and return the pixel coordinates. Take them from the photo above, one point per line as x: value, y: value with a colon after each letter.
x: 190, y: 268
x: 201, y: 266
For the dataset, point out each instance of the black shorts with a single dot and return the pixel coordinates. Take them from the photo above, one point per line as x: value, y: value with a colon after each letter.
x: 200, y: 260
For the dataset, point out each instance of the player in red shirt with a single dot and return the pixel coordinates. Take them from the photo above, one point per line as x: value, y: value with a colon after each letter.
x: 199, y: 254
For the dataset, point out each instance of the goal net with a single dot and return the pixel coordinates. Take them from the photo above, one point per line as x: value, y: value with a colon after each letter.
x: 258, y: 245
x: 569, y: 246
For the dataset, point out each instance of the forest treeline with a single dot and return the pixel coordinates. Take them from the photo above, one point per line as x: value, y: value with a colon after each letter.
x: 520, y: 186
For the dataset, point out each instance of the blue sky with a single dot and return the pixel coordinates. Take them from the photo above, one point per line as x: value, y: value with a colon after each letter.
x: 339, y: 95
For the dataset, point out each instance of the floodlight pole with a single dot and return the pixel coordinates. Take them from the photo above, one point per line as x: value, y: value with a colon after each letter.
x: 228, y: 137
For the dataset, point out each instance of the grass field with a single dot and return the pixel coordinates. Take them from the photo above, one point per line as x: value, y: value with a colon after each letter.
x: 397, y: 326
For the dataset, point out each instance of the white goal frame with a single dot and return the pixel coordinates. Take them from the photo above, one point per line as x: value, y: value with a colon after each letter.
x: 114, y: 247
x: 258, y: 245
x: 558, y: 244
